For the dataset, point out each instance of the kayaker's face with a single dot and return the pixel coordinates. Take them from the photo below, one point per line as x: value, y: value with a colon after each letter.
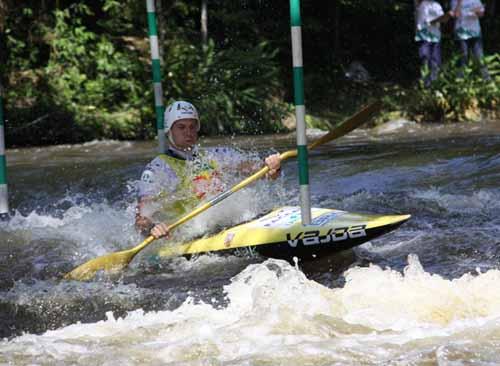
x: 185, y: 133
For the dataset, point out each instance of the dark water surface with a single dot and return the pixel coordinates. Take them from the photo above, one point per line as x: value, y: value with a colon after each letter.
x: 427, y: 293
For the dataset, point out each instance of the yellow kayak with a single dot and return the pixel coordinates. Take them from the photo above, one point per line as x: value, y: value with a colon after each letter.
x: 280, y: 234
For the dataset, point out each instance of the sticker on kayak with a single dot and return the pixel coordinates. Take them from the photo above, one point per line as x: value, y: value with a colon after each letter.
x: 282, y: 218
x: 326, y: 217
x: 289, y: 216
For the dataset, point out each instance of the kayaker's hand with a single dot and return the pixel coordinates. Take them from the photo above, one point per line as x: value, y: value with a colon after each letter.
x: 160, y: 231
x: 273, y: 162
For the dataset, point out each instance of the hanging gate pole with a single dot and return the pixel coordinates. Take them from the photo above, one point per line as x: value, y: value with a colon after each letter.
x: 155, y: 64
x: 300, y: 112
x: 4, y: 203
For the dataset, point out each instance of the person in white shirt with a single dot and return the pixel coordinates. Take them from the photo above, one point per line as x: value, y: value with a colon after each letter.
x: 430, y: 15
x: 468, y: 31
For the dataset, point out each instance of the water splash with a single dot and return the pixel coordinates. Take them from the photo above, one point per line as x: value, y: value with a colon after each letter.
x: 275, y: 314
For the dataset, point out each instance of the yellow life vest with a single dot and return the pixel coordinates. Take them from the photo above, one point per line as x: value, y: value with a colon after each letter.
x: 197, y: 179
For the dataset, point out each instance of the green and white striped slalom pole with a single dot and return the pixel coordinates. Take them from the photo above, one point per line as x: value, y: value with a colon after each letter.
x: 300, y: 112
x: 155, y: 64
x: 4, y: 203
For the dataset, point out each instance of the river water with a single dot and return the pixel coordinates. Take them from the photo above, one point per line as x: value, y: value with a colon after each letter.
x: 427, y: 293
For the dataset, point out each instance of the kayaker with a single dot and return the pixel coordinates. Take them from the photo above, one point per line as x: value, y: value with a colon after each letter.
x: 179, y: 179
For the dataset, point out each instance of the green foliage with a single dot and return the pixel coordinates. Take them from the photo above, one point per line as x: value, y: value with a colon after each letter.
x: 82, y: 68
x: 19, y: 53
x: 118, y: 15
x: 92, y: 78
x: 459, y: 94
x: 233, y: 89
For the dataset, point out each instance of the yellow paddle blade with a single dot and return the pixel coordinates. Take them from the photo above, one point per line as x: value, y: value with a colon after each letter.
x: 113, y: 262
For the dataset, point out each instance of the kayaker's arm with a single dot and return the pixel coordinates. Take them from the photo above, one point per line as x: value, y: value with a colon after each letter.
x: 142, y: 222
x: 273, y: 162
x: 247, y: 167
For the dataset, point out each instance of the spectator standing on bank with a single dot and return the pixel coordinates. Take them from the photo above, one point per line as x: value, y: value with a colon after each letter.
x: 468, y: 32
x: 430, y: 15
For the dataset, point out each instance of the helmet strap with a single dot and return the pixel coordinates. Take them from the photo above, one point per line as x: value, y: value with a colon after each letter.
x: 187, y: 154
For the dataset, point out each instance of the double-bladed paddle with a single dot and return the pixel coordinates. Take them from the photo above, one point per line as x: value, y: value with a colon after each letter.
x: 115, y: 262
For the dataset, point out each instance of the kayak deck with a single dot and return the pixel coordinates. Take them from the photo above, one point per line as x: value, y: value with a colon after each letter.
x: 280, y: 234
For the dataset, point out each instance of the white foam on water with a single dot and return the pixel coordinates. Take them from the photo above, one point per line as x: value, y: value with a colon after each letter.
x: 397, y: 125
x: 120, y: 144
x: 394, y: 243
x: 396, y: 301
x: 479, y: 202
x: 200, y: 263
x: 62, y: 293
x: 229, y: 212
x: 96, y: 227
x: 276, y: 315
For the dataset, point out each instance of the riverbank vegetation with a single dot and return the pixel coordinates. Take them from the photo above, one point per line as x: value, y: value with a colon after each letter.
x: 74, y: 71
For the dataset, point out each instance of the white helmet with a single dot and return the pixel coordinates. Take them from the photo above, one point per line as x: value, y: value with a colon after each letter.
x: 179, y: 110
